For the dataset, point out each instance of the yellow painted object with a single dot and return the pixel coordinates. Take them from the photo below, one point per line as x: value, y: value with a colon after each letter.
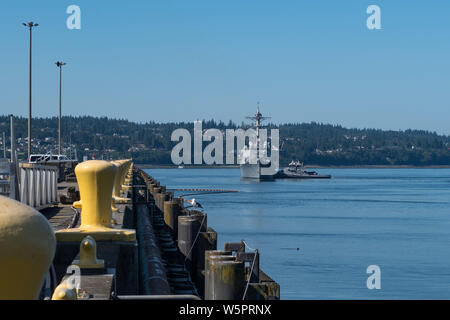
x: 117, y: 199
x: 88, y: 255
x: 27, y: 247
x: 120, y: 180
x: 130, y: 170
x: 113, y: 207
x: 126, y: 187
x: 95, y: 180
x: 64, y: 292
x: 128, y: 178
x: 77, y: 204
x: 126, y: 165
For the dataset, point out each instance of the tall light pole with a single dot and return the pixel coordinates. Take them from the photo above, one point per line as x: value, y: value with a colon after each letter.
x: 59, y: 64
x: 30, y: 26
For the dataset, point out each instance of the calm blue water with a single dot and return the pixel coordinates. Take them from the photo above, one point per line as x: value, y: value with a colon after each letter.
x: 398, y: 219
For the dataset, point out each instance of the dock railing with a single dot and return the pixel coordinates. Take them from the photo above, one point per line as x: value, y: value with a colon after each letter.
x: 7, y: 179
x: 38, y: 184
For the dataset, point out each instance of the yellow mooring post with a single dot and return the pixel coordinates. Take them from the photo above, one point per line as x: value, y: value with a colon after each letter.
x: 130, y: 171
x: 95, y: 180
x: 88, y: 255
x: 121, y: 167
x: 122, y: 172
x: 27, y: 247
x: 114, y: 192
x: 127, y: 180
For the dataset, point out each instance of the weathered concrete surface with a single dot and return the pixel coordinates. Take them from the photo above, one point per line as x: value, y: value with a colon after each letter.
x: 96, y: 286
x: 122, y: 257
x: 61, y: 216
x: 266, y: 289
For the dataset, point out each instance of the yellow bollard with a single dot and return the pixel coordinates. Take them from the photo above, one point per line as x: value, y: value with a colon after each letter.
x: 95, y: 180
x: 125, y: 181
x: 117, y: 185
x: 130, y: 170
x: 64, y: 292
x: 118, y: 179
x: 122, y: 174
x: 115, y: 191
x: 88, y: 255
x: 125, y: 170
x: 27, y: 247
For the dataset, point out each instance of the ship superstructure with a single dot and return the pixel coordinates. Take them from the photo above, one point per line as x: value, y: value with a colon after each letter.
x: 252, y: 164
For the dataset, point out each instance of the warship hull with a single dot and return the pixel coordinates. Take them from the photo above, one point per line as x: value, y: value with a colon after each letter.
x: 253, y: 171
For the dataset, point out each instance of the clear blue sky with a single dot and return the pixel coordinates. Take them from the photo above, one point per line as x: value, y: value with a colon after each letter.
x: 200, y: 59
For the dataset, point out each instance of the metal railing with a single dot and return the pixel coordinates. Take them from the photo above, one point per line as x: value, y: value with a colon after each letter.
x: 7, y: 178
x: 38, y: 184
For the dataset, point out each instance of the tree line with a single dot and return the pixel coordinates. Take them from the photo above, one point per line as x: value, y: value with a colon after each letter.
x: 313, y: 143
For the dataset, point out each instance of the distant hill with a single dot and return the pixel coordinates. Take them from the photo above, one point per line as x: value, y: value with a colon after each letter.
x: 312, y: 143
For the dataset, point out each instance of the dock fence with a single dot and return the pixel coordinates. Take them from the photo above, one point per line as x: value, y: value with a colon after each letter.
x: 38, y: 184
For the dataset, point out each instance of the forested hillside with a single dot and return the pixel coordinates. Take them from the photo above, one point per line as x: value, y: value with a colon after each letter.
x: 313, y: 143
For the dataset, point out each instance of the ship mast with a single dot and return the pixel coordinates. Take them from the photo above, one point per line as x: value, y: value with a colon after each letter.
x: 257, y: 118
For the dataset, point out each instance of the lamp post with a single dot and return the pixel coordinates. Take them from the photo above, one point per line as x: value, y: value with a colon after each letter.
x: 30, y: 26
x: 59, y: 64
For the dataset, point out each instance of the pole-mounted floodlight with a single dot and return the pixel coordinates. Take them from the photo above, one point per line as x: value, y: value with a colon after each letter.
x: 59, y: 64
x: 29, y: 25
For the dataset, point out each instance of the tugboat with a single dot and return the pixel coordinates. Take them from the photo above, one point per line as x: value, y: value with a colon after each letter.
x: 296, y: 170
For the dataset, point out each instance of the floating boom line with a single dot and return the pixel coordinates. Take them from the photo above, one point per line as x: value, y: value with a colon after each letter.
x: 197, y: 191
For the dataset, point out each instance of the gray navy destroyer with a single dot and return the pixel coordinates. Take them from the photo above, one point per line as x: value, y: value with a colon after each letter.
x: 251, y: 170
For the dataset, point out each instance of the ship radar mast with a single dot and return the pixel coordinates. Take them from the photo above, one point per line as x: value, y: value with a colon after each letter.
x: 257, y: 118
